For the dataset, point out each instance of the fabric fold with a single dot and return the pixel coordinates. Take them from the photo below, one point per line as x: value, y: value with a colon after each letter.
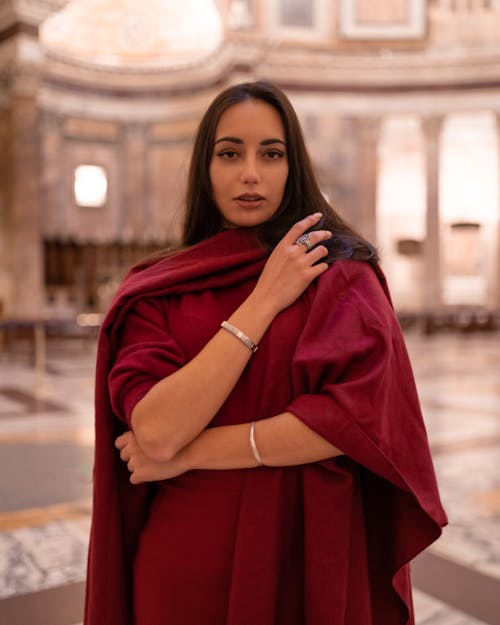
x: 365, y: 403
x: 119, y: 509
x: 334, y: 538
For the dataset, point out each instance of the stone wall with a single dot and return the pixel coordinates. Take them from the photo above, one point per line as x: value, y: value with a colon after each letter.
x: 57, y: 113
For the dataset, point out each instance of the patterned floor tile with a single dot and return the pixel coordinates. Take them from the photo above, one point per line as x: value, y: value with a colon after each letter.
x: 459, y: 385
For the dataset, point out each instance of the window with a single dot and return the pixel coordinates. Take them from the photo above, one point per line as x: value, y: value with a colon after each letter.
x: 296, y: 13
x: 382, y: 19
x: 90, y: 186
x: 300, y: 20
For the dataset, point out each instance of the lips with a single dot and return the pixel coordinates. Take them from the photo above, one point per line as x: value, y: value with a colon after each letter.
x: 249, y: 197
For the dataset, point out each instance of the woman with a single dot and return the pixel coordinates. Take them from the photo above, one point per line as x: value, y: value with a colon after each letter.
x: 279, y: 467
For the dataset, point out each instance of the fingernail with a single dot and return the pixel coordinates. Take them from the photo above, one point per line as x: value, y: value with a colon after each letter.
x: 317, y: 215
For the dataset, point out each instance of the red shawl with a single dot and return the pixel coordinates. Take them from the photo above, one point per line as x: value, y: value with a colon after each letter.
x: 352, y: 383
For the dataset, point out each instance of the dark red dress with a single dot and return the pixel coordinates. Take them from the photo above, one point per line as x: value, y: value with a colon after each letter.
x: 321, y: 544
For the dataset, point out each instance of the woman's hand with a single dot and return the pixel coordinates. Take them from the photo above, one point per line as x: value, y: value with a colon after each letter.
x: 141, y: 467
x: 163, y: 428
x: 291, y: 268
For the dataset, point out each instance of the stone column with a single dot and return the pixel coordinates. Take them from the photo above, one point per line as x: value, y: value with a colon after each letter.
x: 4, y: 184
x: 493, y: 294
x: 366, y: 214
x: 25, y: 245
x: 136, y: 200
x: 53, y: 203
x: 433, y: 300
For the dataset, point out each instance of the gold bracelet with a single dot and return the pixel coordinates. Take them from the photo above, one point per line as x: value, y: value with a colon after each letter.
x: 255, y: 451
x: 240, y: 335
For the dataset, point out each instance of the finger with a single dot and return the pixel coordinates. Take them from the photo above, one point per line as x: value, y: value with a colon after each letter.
x: 317, y: 270
x: 319, y: 252
x: 136, y: 479
x: 123, y: 439
x: 318, y: 236
x: 124, y: 454
x: 300, y: 227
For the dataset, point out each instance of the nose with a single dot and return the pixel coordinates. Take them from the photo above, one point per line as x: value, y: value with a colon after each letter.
x: 249, y: 171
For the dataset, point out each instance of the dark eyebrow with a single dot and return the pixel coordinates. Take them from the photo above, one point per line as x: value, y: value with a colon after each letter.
x: 271, y: 141
x: 240, y: 141
x: 229, y: 140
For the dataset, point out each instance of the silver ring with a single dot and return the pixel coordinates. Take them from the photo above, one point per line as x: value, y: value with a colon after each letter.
x: 305, y: 239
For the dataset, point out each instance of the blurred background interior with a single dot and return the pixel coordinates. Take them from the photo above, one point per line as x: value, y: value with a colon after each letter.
x: 99, y: 99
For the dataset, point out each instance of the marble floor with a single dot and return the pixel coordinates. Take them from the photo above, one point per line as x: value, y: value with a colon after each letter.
x: 46, y: 447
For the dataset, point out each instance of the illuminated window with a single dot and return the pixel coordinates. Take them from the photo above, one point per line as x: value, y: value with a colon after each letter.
x: 91, y: 186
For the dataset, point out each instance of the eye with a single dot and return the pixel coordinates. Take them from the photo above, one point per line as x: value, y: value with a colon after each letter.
x: 227, y: 155
x: 274, y: 154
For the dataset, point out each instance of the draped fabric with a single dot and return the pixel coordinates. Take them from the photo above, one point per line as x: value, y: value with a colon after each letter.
x: 330, y: 541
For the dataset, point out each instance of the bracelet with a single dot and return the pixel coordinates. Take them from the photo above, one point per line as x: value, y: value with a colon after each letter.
x: 240, y: 335
x: 255, y: 451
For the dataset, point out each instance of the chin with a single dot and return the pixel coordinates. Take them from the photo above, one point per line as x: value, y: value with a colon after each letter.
x: 252, y: 221
x: 243, y: 223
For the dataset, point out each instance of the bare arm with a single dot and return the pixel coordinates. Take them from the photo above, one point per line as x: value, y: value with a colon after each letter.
x: 282, y: 440
x: 180, y: 406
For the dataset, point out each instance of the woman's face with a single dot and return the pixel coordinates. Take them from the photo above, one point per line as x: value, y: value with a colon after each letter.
x: 249, y: 166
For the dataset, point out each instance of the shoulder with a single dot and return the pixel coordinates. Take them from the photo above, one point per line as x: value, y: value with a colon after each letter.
x: 358, y: 288
x: 353, y: 277
x: 137, y: 315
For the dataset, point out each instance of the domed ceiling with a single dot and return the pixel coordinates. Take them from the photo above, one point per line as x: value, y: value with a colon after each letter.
x: 145, y: 34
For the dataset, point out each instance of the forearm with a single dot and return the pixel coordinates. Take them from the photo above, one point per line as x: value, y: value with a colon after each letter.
x: 282, y: 440
x: 180, y: 406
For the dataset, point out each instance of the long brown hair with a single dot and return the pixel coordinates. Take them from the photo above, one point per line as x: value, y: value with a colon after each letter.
x: 302, y: 195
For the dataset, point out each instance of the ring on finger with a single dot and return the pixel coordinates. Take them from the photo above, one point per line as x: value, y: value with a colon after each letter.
x: 305, y: 239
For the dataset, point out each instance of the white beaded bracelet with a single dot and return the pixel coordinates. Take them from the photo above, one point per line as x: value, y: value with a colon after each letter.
x: 240, y: 335
x: 255, y: 451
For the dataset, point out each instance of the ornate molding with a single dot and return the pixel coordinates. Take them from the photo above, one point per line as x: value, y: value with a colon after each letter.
x: 384, y: 71
x: 131, y: 35
x: 126, y: 108
x: 25, y: 15
x: 75, y: 86
x: 35, y: 11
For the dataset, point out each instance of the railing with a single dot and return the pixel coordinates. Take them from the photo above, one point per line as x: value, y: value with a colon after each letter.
x: 467, y: 6
x: 459, y: 319
x: 37, y: 331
